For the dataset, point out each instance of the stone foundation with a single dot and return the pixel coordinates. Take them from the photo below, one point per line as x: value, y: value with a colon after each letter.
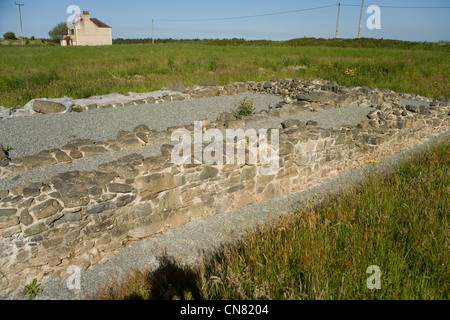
x: 81, y: 217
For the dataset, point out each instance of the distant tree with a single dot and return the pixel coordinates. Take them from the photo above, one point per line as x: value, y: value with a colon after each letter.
x: 9, y: 36
x: 32, y: 38
x: 57, y: 31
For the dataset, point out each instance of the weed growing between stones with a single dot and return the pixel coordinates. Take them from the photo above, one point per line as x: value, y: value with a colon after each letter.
x: 245, y: 108
x: 4, y: 152
x: 33, y: 289
x: 7, y: 149
x: 77, y: 109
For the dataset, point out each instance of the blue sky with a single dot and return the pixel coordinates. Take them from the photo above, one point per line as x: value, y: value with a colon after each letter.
x: 133, y: 18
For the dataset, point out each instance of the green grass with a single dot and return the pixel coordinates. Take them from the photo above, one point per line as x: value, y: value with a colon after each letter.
x: 398, y: 221
x: 80, y: 72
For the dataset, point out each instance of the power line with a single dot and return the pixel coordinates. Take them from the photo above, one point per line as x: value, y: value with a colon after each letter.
x: 398, y: 7
x: 295, y: 11
x: 247, y: 17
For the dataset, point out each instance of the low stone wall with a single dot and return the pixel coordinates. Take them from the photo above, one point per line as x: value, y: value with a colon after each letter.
x: 82, y: 148
x: 81, y: 217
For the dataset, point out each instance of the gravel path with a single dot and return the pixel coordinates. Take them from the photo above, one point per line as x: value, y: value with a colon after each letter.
x: 199, y: 238
x: 29, y: 135
x: 327, y: 119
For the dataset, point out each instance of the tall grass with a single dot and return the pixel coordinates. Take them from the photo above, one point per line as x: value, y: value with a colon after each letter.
x: 80, y: 72
x: 398, y: 221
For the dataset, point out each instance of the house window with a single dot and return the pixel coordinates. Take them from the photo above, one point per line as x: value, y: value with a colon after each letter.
x: 72, y: 31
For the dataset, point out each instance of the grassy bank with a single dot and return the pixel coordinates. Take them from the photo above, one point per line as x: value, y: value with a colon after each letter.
x: 79, y: 72
x: 398, y: 221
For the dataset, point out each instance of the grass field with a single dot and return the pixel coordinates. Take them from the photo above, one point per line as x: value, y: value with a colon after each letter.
x: 398, y: 221
x: 80, y: 72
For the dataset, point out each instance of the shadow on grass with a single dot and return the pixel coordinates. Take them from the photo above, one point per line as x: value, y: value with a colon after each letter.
x: 173, y: 281
x: 170, y: 281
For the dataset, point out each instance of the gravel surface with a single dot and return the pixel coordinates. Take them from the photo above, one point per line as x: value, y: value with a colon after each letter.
x: 197, y: 239
x: 327, y: 119
x: 29, y: 135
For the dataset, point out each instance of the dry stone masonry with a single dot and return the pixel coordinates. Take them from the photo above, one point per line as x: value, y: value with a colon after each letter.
x: 83, y: 217
x: 67, y: 105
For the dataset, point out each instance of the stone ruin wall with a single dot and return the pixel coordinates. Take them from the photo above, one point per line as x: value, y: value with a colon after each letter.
x: 81, y: 217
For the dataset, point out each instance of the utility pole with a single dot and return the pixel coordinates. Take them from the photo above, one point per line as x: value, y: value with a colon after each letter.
x: 20, y: 14
x: 360, y: 19
x: 337, y: 25
x: 153, y: 32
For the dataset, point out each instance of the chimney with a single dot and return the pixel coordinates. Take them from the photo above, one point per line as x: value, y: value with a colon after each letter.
x: 86, y: 15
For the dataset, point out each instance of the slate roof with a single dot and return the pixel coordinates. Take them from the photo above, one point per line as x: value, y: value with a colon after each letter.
x: 99, y: 23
